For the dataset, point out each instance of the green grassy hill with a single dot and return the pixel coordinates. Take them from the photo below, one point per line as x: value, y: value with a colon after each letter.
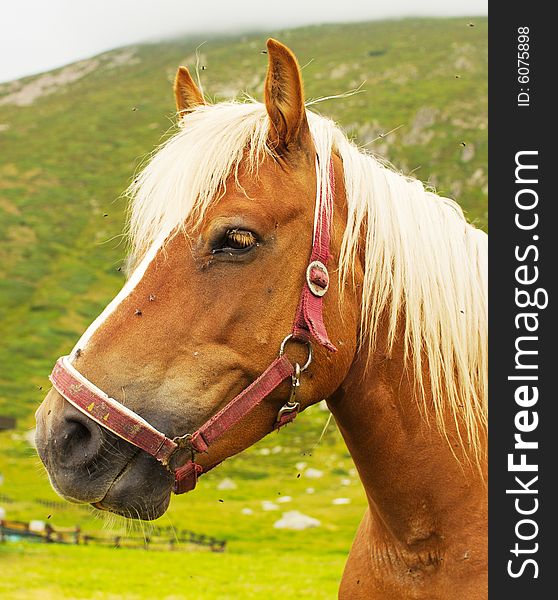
x: 70, y: 141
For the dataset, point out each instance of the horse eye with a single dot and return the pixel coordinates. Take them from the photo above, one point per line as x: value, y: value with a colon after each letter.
x: 236, y: 240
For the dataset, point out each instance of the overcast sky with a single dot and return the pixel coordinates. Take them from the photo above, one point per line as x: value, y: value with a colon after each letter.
x: 37, y: 35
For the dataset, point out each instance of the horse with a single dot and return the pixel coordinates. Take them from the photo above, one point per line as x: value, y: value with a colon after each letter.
x: 235, y: 223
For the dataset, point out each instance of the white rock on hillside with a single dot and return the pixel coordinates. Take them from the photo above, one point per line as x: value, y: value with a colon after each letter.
x: 284, y: 499
x: 313, y: 473
x: 295, y: 520
x: 227, y: 484
x: 267, y: 505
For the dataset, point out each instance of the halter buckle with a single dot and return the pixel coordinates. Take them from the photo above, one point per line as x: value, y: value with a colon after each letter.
x: 183, y: 442
x: 291, y: 405
x: 286, y: 409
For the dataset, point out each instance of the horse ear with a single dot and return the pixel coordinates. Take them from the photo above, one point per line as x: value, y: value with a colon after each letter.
x: 284, y: 98
x: 186, y: 92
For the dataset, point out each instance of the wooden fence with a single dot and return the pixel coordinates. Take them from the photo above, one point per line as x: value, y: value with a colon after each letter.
x: 158, y: 538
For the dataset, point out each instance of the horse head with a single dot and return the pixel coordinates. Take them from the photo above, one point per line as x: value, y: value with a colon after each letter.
x: 222, y: 226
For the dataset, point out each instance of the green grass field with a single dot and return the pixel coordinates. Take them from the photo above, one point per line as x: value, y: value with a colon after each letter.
x: 257, y: 557
x: 69, y: 144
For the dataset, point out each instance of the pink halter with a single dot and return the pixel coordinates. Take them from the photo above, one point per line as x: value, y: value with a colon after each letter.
x: 308, y: 325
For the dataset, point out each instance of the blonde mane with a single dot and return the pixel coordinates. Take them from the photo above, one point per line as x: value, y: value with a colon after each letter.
x: 425, y: 267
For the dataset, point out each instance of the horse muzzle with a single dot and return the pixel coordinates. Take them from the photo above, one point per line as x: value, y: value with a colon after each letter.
x: 88, y: 464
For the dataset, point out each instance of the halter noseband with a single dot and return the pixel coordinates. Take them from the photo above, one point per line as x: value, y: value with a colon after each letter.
x: 308, y: 324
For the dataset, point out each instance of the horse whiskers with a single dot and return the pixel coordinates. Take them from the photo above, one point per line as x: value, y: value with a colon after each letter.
x: 171, y: 525
x: 140, y: 522
x: 112, y: 448
x: 112, y: 453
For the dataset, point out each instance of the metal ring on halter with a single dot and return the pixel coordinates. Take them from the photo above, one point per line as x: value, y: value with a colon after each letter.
x: 289, y: 338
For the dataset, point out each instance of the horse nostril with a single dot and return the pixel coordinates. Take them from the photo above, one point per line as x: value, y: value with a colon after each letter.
x: 76, y: 432
x: 79, y: 440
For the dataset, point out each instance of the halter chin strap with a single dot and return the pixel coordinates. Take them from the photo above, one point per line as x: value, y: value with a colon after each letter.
x: 308, y: 326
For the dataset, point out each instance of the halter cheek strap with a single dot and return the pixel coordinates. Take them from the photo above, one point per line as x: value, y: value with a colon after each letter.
x: 309, y: 321
x: 308, y: 326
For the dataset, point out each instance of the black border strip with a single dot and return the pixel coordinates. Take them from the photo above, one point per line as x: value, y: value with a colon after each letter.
x: 515, y: 256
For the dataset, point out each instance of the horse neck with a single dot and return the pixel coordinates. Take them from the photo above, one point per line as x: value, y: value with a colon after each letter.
x: 422, y: 491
